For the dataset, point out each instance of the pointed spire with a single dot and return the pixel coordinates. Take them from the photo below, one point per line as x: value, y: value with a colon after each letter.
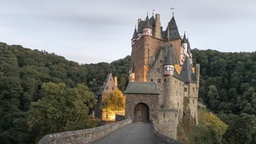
x: 184, y: 40
x: 174, y: 32
x: 186, y: 72
x: 135, y: 33
x: 147, y: 23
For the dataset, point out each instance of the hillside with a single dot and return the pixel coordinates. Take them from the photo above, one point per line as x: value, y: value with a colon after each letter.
x: 227, y: 88
x: 34, y: 82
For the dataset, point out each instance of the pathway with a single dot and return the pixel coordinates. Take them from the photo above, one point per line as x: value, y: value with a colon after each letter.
x: 134, y: 133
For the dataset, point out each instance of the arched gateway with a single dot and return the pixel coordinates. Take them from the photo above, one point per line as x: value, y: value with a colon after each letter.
x: 141, y: 113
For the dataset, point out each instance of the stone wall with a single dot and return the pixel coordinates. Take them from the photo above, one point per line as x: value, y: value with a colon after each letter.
x: 83, y: 136
x: 167, y: 123
x: 133, y: 99
x: 162, y: 139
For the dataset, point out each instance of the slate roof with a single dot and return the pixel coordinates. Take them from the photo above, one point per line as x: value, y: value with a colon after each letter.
x: 186, y: 72
x: 134, y: 33
x: 147, y: 23
x: 102, y: 88
x: 184, y: 40
x: 142, y: 88
x: 173, y: 30
x: 170, y: 55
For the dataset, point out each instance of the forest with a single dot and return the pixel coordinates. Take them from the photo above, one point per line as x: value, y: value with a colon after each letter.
x: 35, y: 85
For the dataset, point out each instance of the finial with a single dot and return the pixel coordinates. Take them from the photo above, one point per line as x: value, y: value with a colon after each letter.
x: 172, y: 10
x: 153, y: 12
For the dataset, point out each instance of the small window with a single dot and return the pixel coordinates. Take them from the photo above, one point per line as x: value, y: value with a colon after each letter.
x: 164, y: 114
x: 165, y: 80
x: 159, y: 80
x: 193, y: 89
x: 151, y: 80
x: 185, y: 89
x: 107, y: 88
x: 113, y: 88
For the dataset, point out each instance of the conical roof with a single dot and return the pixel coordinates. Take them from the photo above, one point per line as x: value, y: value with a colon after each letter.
x: 186, y: 71
x: 134, y: 33
x: 147, y: 23
x: 170, y: 56
x: 184, y: 40
x: 174, y: 32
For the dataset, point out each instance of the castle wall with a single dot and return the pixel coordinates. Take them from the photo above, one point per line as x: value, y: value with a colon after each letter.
x: 191, y: 102
x: 177, y: 44
x: 143, y: 55
x: 176, y: 95
x: 167, y: 122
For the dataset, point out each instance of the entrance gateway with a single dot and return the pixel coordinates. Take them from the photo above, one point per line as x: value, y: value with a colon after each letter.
x: 141, y: 113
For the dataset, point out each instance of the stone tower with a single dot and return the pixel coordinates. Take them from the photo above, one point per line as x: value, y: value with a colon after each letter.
x: 164, y: 83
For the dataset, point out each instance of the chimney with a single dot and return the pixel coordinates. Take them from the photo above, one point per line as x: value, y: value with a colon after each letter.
x: 158, y: 32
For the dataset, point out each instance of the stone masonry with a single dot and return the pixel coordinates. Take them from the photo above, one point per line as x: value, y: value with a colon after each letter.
x: 164, y: 82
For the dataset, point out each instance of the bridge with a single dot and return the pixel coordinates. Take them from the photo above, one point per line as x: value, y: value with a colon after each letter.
x: 122, y: 132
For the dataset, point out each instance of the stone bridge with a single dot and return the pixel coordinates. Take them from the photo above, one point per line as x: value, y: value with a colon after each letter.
x: 122, y: 132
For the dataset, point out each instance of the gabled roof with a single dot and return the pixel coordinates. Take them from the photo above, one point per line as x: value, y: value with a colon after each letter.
x: 186, y: 72
x: 142, y: 88
x: 109, y: 79
x: 170, y: 55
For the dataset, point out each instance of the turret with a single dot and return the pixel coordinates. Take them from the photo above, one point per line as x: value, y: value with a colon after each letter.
x: 134, y: 37
x: 170, y: 61
x: 147, y: 29
x: 184, y: 44
x: 183, y: 50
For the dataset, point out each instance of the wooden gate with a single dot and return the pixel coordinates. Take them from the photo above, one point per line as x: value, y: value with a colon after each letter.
x: 141, y: 113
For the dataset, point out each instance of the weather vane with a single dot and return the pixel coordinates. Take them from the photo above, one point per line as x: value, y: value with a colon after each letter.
x: 172, y: 10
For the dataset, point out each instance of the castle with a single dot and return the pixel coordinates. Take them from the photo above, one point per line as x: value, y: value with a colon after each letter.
x: 164, y: 82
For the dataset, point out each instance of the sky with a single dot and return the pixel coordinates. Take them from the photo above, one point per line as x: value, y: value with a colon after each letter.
x: 92, y: 31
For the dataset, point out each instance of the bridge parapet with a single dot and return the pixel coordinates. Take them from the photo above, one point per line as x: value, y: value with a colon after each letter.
x: 83, y: 136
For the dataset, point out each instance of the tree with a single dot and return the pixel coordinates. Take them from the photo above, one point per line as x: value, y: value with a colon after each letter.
x: 213, y: 97
x: 115, y: 101
x: 241, y: 130
x: 61, y: 108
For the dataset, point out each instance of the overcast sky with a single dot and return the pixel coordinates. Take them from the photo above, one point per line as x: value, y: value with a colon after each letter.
x: 91, y: 31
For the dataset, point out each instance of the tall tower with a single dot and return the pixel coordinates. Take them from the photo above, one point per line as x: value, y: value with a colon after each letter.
x: 162, y: 77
